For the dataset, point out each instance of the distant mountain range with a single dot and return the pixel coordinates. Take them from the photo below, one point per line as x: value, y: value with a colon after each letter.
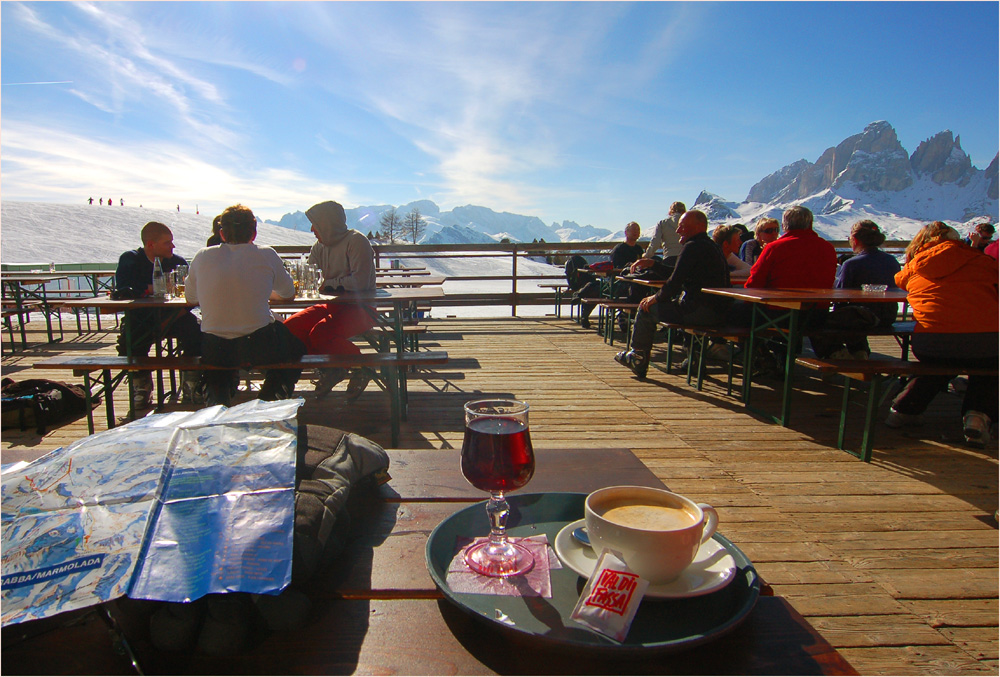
x: 469, y: 224
x: 867, y: 175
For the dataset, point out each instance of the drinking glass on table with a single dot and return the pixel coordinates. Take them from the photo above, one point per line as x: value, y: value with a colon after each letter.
x: 497, y: 457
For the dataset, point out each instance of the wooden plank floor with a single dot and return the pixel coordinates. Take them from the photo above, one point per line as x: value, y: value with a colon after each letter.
x: 894, y: 562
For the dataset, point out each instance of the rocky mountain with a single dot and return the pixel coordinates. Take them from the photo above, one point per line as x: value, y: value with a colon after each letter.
x: 870, y: 175
x: 468, y: 224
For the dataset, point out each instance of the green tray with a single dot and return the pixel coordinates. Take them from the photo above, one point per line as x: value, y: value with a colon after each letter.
x: 659, y: 626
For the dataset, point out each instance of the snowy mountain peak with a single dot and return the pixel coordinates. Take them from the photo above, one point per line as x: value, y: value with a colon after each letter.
x: 942, y: 159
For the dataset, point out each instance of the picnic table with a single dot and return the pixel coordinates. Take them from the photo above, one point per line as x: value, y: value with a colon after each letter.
x: 29, y: 290
x: 376, y: 610
x: 788, y: 323
x: 399, y: 298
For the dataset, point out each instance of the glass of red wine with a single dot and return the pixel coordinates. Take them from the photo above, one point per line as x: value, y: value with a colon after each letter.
x: 497, y: 457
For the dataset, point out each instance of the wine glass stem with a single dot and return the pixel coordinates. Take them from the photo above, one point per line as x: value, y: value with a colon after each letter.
x: 498, y: 510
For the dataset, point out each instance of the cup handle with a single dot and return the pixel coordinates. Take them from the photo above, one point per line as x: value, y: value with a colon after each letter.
x: 711, y: 521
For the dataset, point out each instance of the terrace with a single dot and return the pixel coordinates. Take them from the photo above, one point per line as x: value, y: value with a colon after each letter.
x: 894, y: 563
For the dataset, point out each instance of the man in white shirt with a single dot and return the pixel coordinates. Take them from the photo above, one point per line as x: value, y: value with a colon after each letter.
x: 233, y: 283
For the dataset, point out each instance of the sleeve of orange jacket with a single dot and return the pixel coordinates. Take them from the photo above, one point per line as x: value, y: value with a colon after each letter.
x: 903, y: 276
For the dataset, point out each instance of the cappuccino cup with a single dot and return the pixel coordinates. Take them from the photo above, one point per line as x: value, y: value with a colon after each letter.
x: 656, y: 532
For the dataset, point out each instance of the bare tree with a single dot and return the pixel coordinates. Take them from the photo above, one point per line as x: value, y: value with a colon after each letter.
x: 414, y: 225
x: 392, y: 225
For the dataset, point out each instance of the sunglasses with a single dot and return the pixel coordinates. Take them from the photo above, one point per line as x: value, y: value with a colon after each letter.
x: 770, y: 230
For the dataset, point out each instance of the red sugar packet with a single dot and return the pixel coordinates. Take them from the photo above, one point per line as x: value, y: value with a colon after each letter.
x: 610, y: 598
x: 535, y: 583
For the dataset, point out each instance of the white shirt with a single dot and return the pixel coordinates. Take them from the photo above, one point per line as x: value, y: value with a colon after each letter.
x: 232, y: 283
x: 736, y: 264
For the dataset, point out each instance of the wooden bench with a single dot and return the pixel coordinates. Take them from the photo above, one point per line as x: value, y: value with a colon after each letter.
x: 606, y: 321
x: 901, y: 331
x: 875, y: 372
x: 29, y: 306
x: 393, y: 367
x: 701, y: 336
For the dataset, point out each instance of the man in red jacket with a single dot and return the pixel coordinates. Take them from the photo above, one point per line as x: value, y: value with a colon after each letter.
x: 798, y: 259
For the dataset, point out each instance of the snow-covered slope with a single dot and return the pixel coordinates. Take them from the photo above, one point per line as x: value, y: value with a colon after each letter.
x: 39, y: 232
x: 35, y: 232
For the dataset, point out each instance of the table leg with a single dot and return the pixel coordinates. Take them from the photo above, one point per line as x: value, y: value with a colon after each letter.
x: 19, y: 306
x: 793, y: 343
x: 761, y: 322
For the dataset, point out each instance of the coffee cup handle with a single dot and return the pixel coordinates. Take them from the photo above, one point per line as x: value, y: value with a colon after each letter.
x: 711, y: 521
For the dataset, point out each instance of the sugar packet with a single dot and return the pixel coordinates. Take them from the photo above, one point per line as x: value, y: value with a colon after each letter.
x: 610, y: 598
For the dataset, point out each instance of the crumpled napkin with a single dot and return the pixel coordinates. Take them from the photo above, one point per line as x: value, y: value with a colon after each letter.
x: 535, y: 583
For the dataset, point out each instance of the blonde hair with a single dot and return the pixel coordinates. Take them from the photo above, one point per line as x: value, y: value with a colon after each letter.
x: 763, y: 223
x: 930, y: 235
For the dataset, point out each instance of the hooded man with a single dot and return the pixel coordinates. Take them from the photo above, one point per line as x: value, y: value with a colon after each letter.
x: 347, y: 262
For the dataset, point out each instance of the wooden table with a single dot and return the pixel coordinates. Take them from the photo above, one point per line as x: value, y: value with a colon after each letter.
x: 377, y: 611
x: 25, y: 287
x: 793, y: 301
x: 421, y: 280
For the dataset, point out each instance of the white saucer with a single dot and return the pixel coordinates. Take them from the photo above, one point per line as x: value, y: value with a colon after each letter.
x: 713, y: 567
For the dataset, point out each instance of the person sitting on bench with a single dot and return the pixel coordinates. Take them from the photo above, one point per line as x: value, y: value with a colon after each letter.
x: 134, y: 280
x: 233, y: 283
x: 952, y: 290
x: 347, y: 260
x: 680, y: 300
x: 869, y: 265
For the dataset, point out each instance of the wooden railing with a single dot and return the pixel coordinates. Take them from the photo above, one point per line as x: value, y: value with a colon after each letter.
x: 554, y: 253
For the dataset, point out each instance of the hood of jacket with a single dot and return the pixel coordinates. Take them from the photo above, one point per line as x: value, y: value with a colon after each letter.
x: 944, y: 259
x: 329, y: 221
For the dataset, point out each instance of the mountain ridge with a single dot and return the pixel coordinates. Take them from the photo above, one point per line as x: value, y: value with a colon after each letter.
x: 868, y: 175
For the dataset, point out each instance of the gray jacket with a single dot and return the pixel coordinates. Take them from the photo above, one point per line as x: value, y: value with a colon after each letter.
x: 666, y: 236
x: 345, y: 256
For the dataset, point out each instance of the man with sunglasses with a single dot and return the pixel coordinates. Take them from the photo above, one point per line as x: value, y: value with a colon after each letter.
x: 765, y: 232
x: 980, y: 236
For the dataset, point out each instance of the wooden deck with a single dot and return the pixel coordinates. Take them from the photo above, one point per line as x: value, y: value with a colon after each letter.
x: 895, y: 562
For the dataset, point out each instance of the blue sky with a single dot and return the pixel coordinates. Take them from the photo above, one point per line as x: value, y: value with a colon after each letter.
x: 599, y: 113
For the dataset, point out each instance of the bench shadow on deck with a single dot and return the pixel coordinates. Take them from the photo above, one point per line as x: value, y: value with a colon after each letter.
x: 894, y: 562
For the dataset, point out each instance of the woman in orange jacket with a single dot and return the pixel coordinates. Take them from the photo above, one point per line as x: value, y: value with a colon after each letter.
x: 952, y: 289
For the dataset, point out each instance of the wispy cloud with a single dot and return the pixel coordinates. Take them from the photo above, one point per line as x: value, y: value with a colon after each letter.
x: 495, y: 95
x: 42, y: 164
x: 122, y: 72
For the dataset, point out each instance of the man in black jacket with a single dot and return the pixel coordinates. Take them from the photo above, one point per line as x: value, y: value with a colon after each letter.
x: 700, y: 264
x: 134, y: 280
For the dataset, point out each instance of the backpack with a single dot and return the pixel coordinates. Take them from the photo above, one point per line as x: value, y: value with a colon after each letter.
x: 39, y: 402
x: 573, y: 269
x: 336, y: 474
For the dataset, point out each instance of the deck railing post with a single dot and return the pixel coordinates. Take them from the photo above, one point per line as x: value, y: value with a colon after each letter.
x: 513, y: 274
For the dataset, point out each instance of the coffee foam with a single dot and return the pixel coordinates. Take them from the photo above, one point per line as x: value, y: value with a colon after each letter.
x: 650, y: 517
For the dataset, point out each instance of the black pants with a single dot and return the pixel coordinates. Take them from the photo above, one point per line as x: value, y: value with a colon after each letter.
x: 958, y: 350
x: 268, y: 345
x: 146, y: 325
x: 644, y: 329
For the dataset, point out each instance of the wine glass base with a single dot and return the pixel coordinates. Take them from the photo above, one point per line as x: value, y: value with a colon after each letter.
x: 499, y: 561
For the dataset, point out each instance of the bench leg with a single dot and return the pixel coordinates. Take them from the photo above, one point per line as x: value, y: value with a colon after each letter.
x: 868, y: 431
x: 844, y: 402
x: 390, y: 377
x: 109, y: 397
x: 89, y: 402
